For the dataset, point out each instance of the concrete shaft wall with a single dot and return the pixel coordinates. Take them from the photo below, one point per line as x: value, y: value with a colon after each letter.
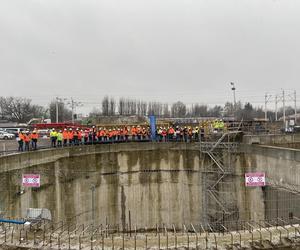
x: 282, y: 168
x: 157, y: 183
x: 154, y: 182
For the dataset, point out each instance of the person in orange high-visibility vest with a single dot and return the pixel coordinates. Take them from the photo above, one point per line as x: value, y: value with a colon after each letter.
x: 65, y: 135
x: 110, y: 134
x: 79, y: 136
x: 133, y: 133
x: 34, y: 137
x: 171, y: 132
x: 125, y: 132
x: 139, y: 132
x: 20, y: 140
x: 75, y: 136
x: 164, y: 134
x: 70, y: 136
x: 86, y: 136
x: 27, y: 140
x: 102, y: 134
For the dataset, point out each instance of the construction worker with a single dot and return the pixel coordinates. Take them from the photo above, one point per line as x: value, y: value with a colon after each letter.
x: 133, y: 133
x: 59, y: 138
x: 53, y: 137
x: 144, y: 133
x: 164, y: 134
x: 91, y: 136
x: 94, y: 134
x: 177, y: 131
x: 75, y: 136
x: 171, y: 133
x: 70, y: 136
x: 27, y: 140
x: 185, y: 134
x: 86, y: 136
x: 20, y: 140
x: 190, y: 134
x: 34, y: 137
x: 79, y: 136
x: 139, y: 132
x: 125, y: 132
x: 196, y: 133
x: 65, y: 135
x: 110, y: 135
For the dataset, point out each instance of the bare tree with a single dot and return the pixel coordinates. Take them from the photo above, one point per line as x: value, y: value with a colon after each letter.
x: 178, y: 109
x: 112, y: 106
x: 198, y: 110
x: 121, y: 106
x: 20, y: 109
x: 64, y: 114
x: 166, y: 111
x: 105, y: 106
x: 155, y: 108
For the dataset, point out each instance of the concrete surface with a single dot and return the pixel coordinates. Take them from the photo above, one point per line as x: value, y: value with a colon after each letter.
x: 145, y: 183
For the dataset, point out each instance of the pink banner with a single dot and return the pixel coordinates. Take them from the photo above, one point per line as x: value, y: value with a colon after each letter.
x: 257, y: 179
x: 31, y: 180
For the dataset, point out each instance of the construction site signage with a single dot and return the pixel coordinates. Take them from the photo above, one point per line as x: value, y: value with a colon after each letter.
x: 257, y: 179
x: 31, y: 180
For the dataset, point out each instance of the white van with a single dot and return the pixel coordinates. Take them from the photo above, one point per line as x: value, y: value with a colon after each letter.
x: 14, y: 131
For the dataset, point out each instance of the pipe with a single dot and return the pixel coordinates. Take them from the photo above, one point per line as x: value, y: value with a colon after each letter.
x: 13, y: 221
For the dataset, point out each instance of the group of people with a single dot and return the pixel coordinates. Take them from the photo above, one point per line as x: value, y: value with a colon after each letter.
x: 78, y: 136
x: 25, y: 138
x: 69, y: 136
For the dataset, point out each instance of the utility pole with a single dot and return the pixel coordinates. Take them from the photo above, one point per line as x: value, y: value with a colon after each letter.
x: 295, y: 102
x: 56, y: 104
x: 276, y: 110
x: 72, y: 108
x: 73, y: 105
x: 283, y: 103
x: 267, y: 98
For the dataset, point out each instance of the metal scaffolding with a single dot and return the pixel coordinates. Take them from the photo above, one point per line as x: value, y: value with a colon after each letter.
x: 219, y: 202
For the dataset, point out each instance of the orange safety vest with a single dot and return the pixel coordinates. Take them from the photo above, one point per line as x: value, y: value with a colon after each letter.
x: 26, y: 138
x: 171, y: 131
x: 34, y: 136
x: 133, y: 131
x: 21, y: 136
x: 65, y: 135
x: 70, y: 133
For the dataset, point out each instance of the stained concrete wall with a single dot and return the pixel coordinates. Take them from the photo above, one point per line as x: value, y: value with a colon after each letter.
x: 282, y: 168
x: 271, y: 139
x: 157, y: 183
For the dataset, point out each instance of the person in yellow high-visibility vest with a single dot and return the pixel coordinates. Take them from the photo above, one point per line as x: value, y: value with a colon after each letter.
x: 53, y: 137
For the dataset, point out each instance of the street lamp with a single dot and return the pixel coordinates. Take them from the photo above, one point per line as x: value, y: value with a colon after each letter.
x: 233, y: 90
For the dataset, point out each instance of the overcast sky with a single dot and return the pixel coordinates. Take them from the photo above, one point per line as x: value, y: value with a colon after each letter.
x: 163, y: 50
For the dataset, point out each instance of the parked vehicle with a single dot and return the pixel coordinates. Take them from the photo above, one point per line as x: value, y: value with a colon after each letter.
x: 4, y: 135
x: 14, y: 131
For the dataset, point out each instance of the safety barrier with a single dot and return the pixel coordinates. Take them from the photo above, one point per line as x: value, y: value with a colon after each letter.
x: 247, y: 234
